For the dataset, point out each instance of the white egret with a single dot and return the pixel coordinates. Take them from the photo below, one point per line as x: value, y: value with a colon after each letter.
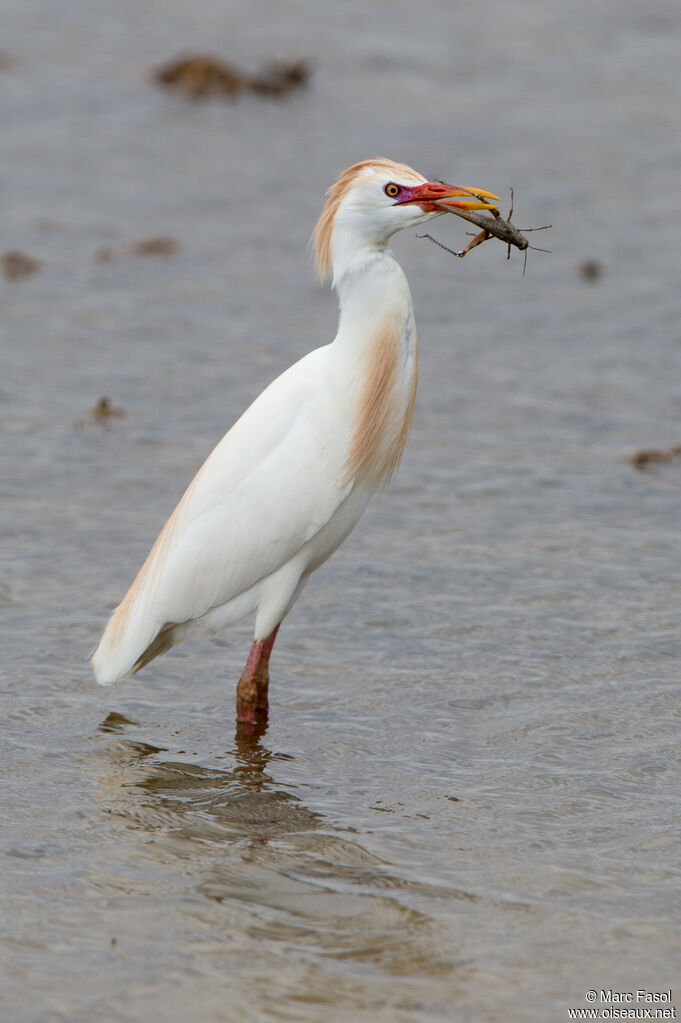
x: 289, y: 481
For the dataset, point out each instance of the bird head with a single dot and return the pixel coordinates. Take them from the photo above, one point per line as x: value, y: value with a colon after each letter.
x: 374, y: 199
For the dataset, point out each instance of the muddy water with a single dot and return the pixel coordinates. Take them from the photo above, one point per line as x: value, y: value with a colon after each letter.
x: 466, y: 804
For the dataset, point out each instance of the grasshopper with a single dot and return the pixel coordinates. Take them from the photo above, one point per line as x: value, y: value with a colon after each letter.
x: 492, y: 224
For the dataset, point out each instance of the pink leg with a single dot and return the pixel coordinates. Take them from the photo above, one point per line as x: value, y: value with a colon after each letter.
x: 251, y: 691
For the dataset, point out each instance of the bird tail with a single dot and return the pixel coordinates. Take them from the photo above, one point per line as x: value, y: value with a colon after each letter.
x: 134, y: 627
x: 129, y: 633
x: 110, y: 664
x: 115, y: 656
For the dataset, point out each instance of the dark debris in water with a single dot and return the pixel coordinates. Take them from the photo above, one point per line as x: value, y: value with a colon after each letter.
x: 654, y: 456
x: 154, y: 247
x: 160, y: 246
x: 590, y: 270
x: 17, y: 265
x: 201, y: 76
x: 101, y: 414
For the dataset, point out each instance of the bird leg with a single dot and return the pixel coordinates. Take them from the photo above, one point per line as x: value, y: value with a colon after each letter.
x: 251, y: 691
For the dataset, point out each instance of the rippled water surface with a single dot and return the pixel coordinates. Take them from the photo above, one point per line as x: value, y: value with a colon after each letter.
x: 466, y: 804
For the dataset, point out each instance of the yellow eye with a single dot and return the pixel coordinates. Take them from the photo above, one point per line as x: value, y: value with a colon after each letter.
x: 392, y: 190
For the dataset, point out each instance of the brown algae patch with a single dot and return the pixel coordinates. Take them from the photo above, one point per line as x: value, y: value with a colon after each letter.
x: 17, y: 265
x: 160, y: 246
x: 200, y: 76
x: 101, y: 414
x: 653, y: 456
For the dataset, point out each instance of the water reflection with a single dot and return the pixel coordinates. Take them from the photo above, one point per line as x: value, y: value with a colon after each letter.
x: 255, y: 852
x: 201, y: 803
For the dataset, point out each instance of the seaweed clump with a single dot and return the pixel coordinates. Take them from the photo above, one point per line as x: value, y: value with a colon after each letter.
x: 201, y: 76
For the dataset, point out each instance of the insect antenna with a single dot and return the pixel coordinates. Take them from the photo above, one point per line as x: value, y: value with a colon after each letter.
x: 430, y: 238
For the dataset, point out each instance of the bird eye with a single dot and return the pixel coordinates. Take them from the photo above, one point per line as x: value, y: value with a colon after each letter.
x: 392, y: 189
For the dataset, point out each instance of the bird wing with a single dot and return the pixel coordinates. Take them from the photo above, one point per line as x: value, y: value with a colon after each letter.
x: 267, y: 488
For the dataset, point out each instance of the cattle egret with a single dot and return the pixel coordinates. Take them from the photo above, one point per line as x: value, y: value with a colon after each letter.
x: 289, y: 481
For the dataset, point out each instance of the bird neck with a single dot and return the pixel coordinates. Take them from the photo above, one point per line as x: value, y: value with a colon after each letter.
x: 376, y: 366
x: 353, y: 249
x: 371, y: 291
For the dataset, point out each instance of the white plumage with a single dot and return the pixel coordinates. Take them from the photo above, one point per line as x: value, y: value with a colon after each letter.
x: 289, y: 481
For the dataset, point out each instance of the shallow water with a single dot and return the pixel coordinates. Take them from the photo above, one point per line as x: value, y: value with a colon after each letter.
x: 465, y: 806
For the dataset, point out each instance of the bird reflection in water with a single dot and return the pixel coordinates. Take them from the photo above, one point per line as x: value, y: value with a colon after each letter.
x: 268, y: 871
x: 194, y: 802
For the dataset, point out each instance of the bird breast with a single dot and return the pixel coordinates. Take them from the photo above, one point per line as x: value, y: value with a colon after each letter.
x: 385, y: 400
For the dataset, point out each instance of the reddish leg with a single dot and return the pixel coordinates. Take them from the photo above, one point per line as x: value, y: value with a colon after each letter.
x: 251, y: 692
